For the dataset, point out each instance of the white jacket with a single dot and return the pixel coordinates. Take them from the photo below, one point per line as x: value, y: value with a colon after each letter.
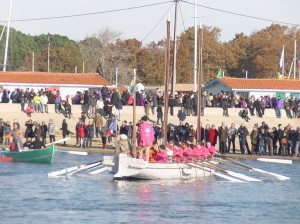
x: 44, y: 99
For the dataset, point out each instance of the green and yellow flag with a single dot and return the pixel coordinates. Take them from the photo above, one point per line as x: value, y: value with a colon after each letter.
x: 220, y: 74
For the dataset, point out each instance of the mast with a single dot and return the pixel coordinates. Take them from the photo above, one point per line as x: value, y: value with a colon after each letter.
x: 195, y: 47
x: 174, y: 50
x: 48, y: 53
x: 167, y: 77
x: 7, y: 37
x: 200, y: 80
x: 134, y: 116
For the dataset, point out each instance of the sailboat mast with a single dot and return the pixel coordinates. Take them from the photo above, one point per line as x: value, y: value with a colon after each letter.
x: 7, y: 37
x: 200, y: 80
x: 195, y: 47
x: 174, y: 50
x: 167, y: 79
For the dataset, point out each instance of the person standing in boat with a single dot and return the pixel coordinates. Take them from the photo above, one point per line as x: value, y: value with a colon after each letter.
x: 146, y: 138
x: 16, y: 134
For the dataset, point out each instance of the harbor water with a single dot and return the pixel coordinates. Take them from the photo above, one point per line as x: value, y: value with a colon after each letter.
x: 29, y: 196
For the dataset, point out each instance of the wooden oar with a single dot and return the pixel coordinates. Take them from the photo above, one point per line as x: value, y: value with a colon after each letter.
x: 74, y: 152
x: 282, y: 161
x: 102, y: 169
x: 212, y: 171
x: 59, y: 141
x: 236, y: 174
x: 278, y: 176
x: 74, y: 168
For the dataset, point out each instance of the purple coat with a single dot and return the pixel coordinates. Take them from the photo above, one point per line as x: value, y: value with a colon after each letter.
x: 279, y: 104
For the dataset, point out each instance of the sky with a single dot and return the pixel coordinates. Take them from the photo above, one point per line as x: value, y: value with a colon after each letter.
x: 138, y: 23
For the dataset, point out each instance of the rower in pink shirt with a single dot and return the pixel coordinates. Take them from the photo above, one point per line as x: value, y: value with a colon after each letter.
x: 212, y: 150
x: 161, y: 156
x: 187, y: 151
x: 177, y: 153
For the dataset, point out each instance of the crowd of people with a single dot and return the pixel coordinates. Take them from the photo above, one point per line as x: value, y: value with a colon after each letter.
x: 97, y: 105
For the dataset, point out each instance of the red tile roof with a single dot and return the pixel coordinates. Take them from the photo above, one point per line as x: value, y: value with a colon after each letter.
x: 240, y: 83
x: 53, y: 78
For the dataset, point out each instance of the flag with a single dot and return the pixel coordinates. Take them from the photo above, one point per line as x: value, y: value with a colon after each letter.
x: 113, y: 125
x: 281, y: 61
x: 130, y: 88
x: 220, y: 74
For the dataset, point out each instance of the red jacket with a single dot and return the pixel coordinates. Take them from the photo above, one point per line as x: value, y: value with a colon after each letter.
x: 81, y: 131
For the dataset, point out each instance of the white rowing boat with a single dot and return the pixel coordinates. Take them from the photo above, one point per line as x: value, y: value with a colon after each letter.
x: 124, y: 167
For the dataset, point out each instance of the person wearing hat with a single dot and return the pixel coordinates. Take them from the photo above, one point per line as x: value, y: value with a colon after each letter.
x: 122, y: 145
x: 146, y: 138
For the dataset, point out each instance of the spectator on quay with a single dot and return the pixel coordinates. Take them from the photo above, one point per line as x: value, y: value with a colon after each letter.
x: 154, y: 102
x: 242, y: 133
x: 92, y: 105
x: 29, y: 129
x: 172, y: 104
x: 223, y: 136
x: 213, y: 135
x: 81, y: 133
x: 99, y: 106
x: 254, y: 140
x: 160, y: 114
x: 89, y: 134
x: 191, y: 133
x: 103, y: 135
x: 57, y: 102
x: 98, y: 121
x: 187, y: 104
x: 44, y: 103
x: 115, y: 97
x: 64, y: 129
x: 270, y: 141
x: 251, y: 105
x: 37, y: 103
x: 119, y: 108
x: 105, y: 93
x: 287, y: 108
x: 22, y: 100
x: 258, y: 107
x: 224, y: 104
x: 51, y: 131
x: 279, y: 104
x: 280, y: 133
x: 181, y: 115
x: 124, y: 128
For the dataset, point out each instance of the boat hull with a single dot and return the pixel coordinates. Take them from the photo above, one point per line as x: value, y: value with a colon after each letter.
x: 124, y: 167
x: 32, y: 156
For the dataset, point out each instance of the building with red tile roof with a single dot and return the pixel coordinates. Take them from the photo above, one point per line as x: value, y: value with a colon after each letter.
x: 67, y: 83
x: 256, y: 87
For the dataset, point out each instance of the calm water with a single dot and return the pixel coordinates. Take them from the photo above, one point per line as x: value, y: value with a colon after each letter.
x: 29, y: 196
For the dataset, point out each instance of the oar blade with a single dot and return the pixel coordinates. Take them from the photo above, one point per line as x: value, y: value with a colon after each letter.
x: 227, y: 177
x: 242, y: 176
x: 63, y: 171
x: 278, y: 176
x: 98, y: 171
x: 282, y: 161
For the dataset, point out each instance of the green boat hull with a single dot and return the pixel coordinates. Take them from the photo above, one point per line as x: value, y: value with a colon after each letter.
x: 33, y: 156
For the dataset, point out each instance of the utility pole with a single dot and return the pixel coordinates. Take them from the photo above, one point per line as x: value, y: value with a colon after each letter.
x: 195, y: 47
x: 116, y: 77
x: 48, y: 53
x: 32, y: 61
x: 295, y: 58
x: 174, y: 50
x: 7, y: 37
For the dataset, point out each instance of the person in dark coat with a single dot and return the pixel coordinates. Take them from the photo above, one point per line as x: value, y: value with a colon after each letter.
x: 104, y: 92
x: 172, y: 104
x: 187, y: 104
x: 89, y: 134
x: 160, y: 114
x: 114, y: 97
x: 64, y: 129
x: 181, y: 115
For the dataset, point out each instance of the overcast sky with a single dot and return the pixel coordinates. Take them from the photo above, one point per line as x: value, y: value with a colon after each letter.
x: 137, y: 23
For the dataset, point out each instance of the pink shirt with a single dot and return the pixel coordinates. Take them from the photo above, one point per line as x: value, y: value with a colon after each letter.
x: 146, y: 134
x: 212, y: 150
x: 161, y: 157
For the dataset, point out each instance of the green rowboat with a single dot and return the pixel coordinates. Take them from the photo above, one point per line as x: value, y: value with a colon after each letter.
x: 32, y: 156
